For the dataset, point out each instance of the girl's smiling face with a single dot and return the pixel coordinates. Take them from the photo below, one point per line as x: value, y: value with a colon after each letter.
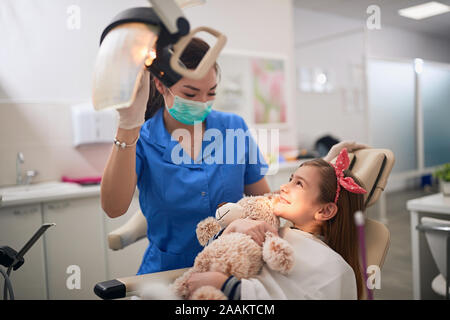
x: 298, y: 199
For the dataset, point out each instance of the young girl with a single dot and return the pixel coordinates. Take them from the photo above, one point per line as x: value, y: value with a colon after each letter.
x: 320, y: 201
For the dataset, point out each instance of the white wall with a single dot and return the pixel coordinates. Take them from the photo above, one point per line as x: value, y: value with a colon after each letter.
x: 260, y: 27
x: 396, y: 43
x: 46, y: 67
x: 337, y: 45
x: 342, y: 44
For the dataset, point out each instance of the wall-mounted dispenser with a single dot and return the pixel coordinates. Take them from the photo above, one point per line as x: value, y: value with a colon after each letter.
x: 90, y: 126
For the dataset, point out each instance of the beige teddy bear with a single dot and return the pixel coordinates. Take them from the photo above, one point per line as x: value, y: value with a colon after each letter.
x: 235, y: 253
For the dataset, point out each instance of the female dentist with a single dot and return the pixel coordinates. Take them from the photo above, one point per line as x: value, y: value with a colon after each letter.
x: 175, y: 196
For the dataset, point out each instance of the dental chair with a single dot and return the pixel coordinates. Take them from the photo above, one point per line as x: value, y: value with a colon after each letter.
x: 371, y: 166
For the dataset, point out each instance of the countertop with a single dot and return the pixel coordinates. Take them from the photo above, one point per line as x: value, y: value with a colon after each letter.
x: 45, y: 192
x: 435, y: 203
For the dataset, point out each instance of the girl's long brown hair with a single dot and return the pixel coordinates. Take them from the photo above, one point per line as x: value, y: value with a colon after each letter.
x: 340, y: 232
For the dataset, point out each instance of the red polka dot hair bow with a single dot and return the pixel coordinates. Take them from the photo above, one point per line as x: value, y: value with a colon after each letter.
x: 347, y: 183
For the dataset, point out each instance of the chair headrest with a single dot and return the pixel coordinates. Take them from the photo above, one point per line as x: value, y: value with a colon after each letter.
x: 372, y: 167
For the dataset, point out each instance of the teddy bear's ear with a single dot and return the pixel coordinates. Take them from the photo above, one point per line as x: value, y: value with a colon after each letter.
x: 206, y: 229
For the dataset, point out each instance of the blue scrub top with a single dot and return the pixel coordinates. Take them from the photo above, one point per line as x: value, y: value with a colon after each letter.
x: 174, y: 198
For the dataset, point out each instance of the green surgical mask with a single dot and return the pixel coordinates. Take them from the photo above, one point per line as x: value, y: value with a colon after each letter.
x: 189, y: 112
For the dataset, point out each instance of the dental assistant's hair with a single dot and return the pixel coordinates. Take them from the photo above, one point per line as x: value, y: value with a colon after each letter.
x: 340, y: 232
x: 191, y: 57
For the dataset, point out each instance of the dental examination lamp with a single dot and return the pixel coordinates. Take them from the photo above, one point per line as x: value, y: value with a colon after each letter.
x: 151, y: 38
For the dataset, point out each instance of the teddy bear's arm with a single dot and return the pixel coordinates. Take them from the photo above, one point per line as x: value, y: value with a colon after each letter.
x: 278, y: 253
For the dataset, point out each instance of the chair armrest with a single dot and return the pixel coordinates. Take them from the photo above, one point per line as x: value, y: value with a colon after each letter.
x: 132, y: 231
x: 377, y: 241
x: 122, y: 287
x: 431, y: 228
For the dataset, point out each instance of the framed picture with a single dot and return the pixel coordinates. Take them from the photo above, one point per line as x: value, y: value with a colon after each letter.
x: 253, y: 86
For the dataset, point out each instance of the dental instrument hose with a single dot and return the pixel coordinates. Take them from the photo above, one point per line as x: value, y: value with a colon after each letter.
x: 8, y: 286
x: 359, y: 221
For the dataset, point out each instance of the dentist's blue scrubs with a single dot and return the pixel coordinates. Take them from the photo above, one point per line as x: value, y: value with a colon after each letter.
x: 174, y: 198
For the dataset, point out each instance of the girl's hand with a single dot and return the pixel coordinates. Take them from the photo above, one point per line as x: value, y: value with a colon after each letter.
x: 200, y: 279
x: 255, y: 229
x: 350, y: 145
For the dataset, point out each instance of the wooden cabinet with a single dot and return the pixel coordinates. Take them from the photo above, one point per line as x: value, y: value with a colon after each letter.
x: 75, y: 248
x: 17, y: 225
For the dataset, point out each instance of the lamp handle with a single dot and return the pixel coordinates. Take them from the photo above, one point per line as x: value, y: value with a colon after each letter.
x: 208, y: 60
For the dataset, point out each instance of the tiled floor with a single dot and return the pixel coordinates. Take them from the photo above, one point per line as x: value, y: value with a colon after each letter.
x: 396, y: 275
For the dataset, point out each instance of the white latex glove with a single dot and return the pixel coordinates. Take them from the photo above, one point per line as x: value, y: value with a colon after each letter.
x: 350, y: 145
x: 134, y: 116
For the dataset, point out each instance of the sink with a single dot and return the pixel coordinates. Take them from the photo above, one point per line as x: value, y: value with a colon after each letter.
x: 37, y: 190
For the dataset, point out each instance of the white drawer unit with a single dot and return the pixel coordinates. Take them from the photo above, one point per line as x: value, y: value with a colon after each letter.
x: 75, y: 249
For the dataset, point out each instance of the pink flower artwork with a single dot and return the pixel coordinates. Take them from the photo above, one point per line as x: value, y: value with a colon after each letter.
x: 269, y: 91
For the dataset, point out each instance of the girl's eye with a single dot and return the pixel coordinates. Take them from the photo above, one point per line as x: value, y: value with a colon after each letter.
x: 212, y: 94
x: 189, y: 95
x: 299, y: 183
x: 290, y: 179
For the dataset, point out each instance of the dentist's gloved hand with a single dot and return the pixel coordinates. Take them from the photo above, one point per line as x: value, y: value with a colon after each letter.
x: 134, y: 116
x: 350, y: 145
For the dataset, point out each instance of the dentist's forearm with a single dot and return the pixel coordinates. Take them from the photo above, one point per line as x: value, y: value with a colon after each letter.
x: 119, y: 177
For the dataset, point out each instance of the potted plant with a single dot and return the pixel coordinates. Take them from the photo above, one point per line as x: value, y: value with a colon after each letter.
x: 443, y: 174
